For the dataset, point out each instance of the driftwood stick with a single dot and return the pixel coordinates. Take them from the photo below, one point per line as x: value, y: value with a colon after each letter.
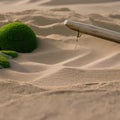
x: 93, y: 30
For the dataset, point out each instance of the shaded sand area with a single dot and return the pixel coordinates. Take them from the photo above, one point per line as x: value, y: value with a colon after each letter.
x: 60, y: 2
x: 62, y: 79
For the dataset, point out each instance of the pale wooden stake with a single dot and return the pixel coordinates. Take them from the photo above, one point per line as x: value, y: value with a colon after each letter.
x: 93, y: 30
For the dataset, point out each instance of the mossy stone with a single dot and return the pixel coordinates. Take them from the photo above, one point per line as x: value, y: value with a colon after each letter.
x: 4, y: 62
x: 12, y: 54
x: 18, y: 37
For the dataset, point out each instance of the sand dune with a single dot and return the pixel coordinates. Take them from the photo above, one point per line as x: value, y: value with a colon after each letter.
x: 62, y: 79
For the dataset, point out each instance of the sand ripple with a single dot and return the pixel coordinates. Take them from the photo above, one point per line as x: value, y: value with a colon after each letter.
x: 61, y: 76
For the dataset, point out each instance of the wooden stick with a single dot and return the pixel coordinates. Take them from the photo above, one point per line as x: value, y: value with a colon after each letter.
x: 93, y: 30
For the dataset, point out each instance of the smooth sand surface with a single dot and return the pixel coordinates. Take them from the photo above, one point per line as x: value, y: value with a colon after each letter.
x: 62, y: 79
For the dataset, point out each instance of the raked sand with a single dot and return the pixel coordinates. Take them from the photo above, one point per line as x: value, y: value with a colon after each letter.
x: 62, y: 79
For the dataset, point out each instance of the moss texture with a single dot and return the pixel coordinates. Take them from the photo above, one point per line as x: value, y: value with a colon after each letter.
x: 18, y: 37
x: 10, y: 53
x: 4, y: 62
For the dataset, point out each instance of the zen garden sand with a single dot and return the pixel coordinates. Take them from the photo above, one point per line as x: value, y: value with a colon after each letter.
x: 57, y: 79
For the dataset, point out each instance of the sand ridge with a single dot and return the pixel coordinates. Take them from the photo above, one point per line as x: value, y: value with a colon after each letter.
x: 59, y: 2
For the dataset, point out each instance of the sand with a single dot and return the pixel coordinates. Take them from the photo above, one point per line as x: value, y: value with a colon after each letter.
x: 62, y: 79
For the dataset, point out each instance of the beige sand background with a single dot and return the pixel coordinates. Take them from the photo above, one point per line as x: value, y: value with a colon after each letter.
x: 62, y: 80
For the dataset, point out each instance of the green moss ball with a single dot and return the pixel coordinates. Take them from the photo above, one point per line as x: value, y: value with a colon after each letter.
x: 10, y: 53
x: 4, y: 62
x: 18, y: 37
